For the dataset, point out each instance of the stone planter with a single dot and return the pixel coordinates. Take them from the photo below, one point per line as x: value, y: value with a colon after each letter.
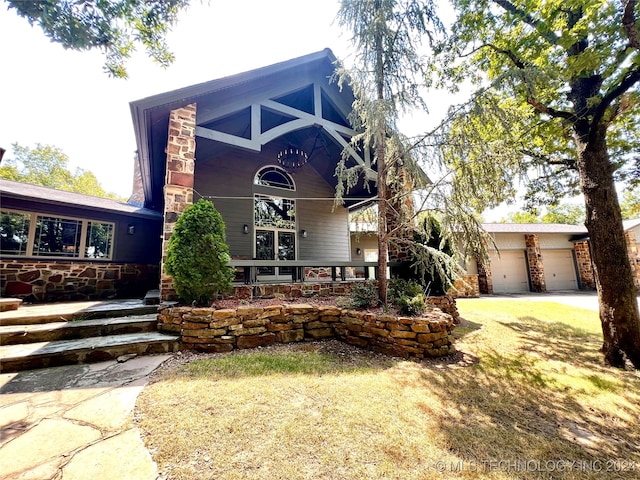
x: 223, y: 330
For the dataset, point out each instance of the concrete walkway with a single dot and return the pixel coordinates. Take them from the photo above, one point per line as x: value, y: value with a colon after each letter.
x: 75, y: 422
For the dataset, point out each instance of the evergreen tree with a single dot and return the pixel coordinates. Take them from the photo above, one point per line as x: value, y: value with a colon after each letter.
x: 198, y: 255
x: 388, y: 78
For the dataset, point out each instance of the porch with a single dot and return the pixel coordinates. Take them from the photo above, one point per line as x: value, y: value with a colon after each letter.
x: 305, y: 270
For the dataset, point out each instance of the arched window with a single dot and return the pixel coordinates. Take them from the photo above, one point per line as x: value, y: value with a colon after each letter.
x: 274, y: 177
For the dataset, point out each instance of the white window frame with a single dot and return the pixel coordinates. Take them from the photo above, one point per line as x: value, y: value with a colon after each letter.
x: 282, y: 171
x: 33, y: 218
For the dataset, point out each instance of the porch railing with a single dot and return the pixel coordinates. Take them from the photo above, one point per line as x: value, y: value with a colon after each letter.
x: 298, y: 267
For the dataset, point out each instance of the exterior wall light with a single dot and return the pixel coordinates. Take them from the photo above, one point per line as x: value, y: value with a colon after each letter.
x: 358, y: 251
x: 303, y: 233
x: 131, y: 229
x: 245, y: 228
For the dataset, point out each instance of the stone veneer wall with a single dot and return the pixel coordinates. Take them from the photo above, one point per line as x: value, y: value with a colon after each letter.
x: 178, y: 189
x: 467, y: 286
x: 211, y: 330
x: 485, y: 280
x: 536, y: 267
x: 585, y: 269
x: 59, y: 280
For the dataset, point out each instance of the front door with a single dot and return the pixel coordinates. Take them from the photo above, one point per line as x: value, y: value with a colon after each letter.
x: 275, y: 245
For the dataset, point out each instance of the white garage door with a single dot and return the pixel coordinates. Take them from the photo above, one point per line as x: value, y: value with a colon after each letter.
x: 509, y: 272
x: 559, y: 270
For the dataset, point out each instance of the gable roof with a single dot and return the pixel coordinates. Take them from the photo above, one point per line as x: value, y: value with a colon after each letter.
x: 223, y: 100
x: 533, y: 228
x: 25, y: 191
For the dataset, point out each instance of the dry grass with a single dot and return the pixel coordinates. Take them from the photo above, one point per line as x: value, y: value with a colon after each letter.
x: 530, y: 391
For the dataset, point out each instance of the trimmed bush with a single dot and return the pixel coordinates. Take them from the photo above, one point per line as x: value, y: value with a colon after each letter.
x: 198, y: 255
x: 363, y: 295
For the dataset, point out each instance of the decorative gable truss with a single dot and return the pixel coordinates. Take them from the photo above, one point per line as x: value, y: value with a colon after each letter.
x: 322, y: 109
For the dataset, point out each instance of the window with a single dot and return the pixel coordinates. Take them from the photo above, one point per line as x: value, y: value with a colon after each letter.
x: 370, y: 255
x: 14, y: 233
x: 99, y: 236
x: 274, y: 177
x: 57, y: 237
x: 30, y: 234
x: 275, y: 212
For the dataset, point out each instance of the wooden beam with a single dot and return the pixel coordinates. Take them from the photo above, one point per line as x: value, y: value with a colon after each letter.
x: 228, y: 139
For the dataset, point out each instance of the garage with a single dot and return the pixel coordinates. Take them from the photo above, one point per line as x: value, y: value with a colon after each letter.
x: 509, y: 272
x: 559, y: 270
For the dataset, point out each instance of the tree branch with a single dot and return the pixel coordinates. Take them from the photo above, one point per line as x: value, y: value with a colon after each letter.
x: 548, y: 110
x: 568, y: 162
x: 630, y: 79
x: 547, y: 34
x: 512, y: 56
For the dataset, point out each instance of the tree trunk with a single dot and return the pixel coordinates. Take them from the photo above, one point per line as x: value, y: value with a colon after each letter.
x: 383, y: 246
x: 613, y: 273
x: 381, y: 145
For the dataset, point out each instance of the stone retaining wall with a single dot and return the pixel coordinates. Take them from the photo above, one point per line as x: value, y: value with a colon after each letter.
x: 60, y: 280
x: 223, y: 330
x: 446, y: 303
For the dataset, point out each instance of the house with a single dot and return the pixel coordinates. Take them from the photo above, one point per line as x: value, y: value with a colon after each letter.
x: 263, y: 146
x: 57, y: 245
x: 528, y: 257
x: 544, y: 258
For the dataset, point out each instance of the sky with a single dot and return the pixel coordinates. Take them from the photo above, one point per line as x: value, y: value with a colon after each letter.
x: 60, y: 97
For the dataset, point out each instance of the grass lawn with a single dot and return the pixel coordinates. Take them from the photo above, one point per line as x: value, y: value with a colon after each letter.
x: 527, y: 397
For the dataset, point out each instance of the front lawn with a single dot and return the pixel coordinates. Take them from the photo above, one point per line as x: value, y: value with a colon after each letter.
x: 526, y: 397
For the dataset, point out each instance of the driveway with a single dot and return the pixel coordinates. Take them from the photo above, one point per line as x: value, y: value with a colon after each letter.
x: 577, y: 298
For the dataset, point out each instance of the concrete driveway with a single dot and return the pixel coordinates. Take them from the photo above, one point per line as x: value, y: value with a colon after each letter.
x: 577, y: 298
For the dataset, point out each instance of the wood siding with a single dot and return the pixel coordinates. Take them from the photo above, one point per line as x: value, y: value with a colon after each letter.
x: 232, y: 176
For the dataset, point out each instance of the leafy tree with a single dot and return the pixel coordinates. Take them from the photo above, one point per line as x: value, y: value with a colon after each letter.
x: 522, y: 217
x: 113, y: 26
x: 198, y: 255
x: 563, y: 78
x: 48, y: 166
x: 567, y: 213
x: 630, y: 205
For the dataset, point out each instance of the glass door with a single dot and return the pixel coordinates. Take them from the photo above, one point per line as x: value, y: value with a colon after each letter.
x: 286, y: 251
x: 275, y: 245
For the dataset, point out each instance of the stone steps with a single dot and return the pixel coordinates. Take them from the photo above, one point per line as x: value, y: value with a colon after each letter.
x: 14, y: 358
x: 48, y: 335
x: 52, y: 331
x: 60, y: 312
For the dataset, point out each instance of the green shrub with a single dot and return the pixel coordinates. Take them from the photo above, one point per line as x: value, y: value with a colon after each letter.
x: 407, y: 296
x: 198, y: 255
x: 411, y: 305
x: 363, y: 295
x: 399, y: 287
